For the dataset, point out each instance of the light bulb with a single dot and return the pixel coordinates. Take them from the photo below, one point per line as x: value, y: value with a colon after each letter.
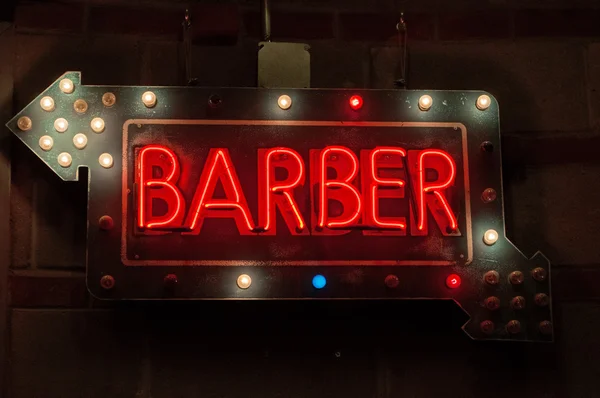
x: 24, y: 123
x: 425, y: 102
x: 80, y: 106
x: 356, y: 102
x: 284, y: 102
x: 47, y: 104
x: 97, y: 125
x: 109, y: 99
x: 244, y: 281
x: 149, y: 99
x: 490, y: 237
x: 483, y: 102
x: 61, y: 125
x: 66, y: 86
x: 46, y: 142
x: 80, y: 141
x: 64, y: 159
x: 106, y: 160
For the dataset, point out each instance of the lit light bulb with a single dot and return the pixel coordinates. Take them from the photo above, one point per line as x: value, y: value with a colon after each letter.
x: 47, y: 104
x: 66, y: 86
x: 356, y: 102
x: 64, y: 159
x: 149, y: 99
x: 46, y: 142
x: 490, y: 237
x: 425, y: 102
x: 453, y: 281
x: 97, y: 125
x: 24, y: 123
x: 106, y: 160
x: 61, y: 125
x: 80, y: 141
x: 244, y: 281
x: 284, y: 102
x: 483, y: 102
x: 80, y: 106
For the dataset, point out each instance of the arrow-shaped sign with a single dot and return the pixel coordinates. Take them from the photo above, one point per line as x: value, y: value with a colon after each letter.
x: 293, y: 194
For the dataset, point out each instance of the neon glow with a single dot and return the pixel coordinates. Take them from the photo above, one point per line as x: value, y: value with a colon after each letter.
x: 434, y: 188
x: 385, y: 182
x: 203, y: 204
x: 158, y: 172
x: 345, y: 183
x: 168, y: 182
x: 285, y: 188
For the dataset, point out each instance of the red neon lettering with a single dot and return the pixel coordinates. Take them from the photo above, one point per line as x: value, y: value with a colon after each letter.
x: 342, y: 160
x: 377, y: 181
x: 219, y: 167
x: 444, y: 165
x: 280, y: 193
x: 163, y: 188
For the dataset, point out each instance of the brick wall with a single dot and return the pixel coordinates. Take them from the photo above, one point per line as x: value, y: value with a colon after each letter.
x: 541, y: 59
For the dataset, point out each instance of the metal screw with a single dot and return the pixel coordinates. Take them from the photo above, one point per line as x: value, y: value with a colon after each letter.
x: 545, y: 327
x: 516, y: 277
x: 492, y: 303
x: 539, y: 274
x: 513, y: 327
x: 487, y: 146
x: 107, y: 282
x: 541, y: 299
x: 487, y: 327
x: 492, y: 277
x: 489, y: 195
x: 106, y: 223
x: 518, y: 302
x: 392, y: 281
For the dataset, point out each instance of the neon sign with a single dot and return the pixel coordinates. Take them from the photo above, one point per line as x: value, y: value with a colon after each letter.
x: 345, y: 194
x: 279, y: 193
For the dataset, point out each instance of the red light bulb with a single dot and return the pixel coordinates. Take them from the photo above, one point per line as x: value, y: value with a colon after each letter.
x: 356, y: 102
x: 453, y: 281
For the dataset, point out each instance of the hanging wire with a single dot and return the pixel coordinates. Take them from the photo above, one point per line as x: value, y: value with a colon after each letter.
x: 401, y: 82
x: 187, y: 48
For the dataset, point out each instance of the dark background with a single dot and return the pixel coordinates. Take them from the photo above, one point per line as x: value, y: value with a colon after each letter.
x: 540, y: 58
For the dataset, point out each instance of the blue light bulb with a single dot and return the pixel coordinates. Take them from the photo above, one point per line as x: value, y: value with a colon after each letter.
x: 319, y: 281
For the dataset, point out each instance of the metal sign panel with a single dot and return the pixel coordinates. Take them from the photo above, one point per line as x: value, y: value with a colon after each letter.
x: 240, y: 193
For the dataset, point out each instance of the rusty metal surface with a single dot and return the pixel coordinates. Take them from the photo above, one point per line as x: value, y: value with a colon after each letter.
x: 275, y: 282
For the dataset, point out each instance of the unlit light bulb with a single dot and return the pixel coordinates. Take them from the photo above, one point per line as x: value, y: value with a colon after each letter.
x: 97, y: 125
x: 244, y: 281
x: 106, y: 160
x: 61, y: 125
x: 24, y: 123
x: 80, y: 141
x: 149, y: 99
x: 46, y: 142
x: 66, y: 86
x: 425, y: 102
x: 284, y: 102
x: 64, y: 159
x: 490, y: 237
x: 483, y: 102
x: 47, y: 104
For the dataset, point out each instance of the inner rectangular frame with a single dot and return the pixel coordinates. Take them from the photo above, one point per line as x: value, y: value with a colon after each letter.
x: 128, y: 262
